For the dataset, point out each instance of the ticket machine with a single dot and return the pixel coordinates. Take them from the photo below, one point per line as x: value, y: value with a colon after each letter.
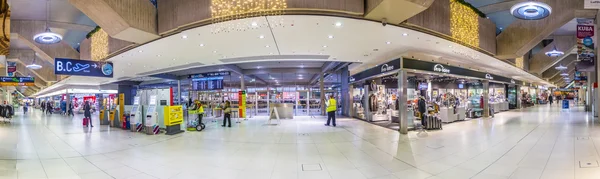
x: 136, y: 118
x: 152, y: 126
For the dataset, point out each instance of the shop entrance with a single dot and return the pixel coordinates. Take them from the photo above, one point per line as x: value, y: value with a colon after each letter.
x: 302, y: 103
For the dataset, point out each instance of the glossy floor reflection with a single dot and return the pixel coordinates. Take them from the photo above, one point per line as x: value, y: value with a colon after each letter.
x: 538, y: 142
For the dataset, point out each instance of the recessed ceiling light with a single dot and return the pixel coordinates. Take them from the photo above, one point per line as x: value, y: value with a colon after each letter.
x: 267, y: 46
x: 184, y: 36
x: 338, y: 24
x: 261, y: 36
x: 324, y: 46
x: 129, y: 64
x: 330, y: 36
x: 271, y: 53
x: 158, y: 55
x: 141, y: 51
x: 388, y: 43
x: 254, y: 24
x: 320, y: 53
x: 258, y: 67
x: 224, y: 56
x: 173, y: 59
x: 450, y: 46
x: 201, y: 45
x: 405, y: 34
x: 215, y: 51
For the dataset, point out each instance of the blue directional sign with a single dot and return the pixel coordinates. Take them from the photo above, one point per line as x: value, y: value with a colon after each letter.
x: 63, y: 66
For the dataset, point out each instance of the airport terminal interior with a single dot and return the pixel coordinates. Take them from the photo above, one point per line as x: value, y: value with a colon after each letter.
x: 299, y: 89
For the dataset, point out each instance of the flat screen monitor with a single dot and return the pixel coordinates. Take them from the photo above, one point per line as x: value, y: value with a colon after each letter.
x: 461, y: 86
x: 422, y: 86
x: 206, y: 84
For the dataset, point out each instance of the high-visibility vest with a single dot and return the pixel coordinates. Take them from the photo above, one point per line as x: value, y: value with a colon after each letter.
x: 200, y: 109
x: 332, y: 105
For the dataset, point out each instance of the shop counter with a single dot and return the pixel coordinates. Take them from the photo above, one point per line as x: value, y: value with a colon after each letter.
x: 447, y: 115
x: 461, y: 111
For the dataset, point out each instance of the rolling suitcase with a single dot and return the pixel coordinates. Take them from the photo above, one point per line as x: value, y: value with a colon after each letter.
x: 85, y: 121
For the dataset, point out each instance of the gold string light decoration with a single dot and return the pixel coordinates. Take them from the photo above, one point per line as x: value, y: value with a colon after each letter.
x: 228, y: 10
x: 99, y: 45
x: 464, y: 24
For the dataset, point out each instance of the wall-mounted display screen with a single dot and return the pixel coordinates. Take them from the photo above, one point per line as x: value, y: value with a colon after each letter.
x: 205, y: 84
x: 461, y: 86
x: 422, y: 86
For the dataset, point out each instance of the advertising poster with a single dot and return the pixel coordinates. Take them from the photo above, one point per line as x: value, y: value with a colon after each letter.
x: 585, y: 43
x: 242, y: 103
x: 11, y: 69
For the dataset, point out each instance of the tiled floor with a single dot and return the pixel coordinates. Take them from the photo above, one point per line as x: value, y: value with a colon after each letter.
x: 538, y: 142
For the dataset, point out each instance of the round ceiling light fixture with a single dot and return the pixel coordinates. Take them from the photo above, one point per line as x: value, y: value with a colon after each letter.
x: 554, y: 53
x: 560, y: 67
x: 47, y: 37
x: 34, y: 66
x: 531, y: 10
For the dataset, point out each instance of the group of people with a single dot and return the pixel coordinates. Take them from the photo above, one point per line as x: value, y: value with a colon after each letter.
x: 48, y: 107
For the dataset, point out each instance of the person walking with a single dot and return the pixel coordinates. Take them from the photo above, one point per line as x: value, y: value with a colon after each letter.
x: 199, y: 110
x: 70, y: 110
x: 422, y: 109
x: 227, y: 114
x: 49, y: 107
x: 43, y: 106
x: 551, y: 99
x: 87, y: 113
x: 331, y: 108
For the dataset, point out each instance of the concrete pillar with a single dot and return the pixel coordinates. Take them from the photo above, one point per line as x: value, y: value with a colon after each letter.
x: 518, y: 90
x: 128, y: 92
x: 486, y: 98
x: 350, y: 101
x: 179, y: 92
x: 68, y: 96
x: 402, y: 97
x: 322, y: 90
x: 345, y: 96
x: 242, y: 83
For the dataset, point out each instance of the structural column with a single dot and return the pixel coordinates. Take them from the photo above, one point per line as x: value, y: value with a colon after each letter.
x: 588, y: 92
x: 518, y: 91
x: 402, y: 97
x: 345, y: 92
x: 486, y: 98
x: 242, y: 83
x: 179, y: 92
x: 322, y: 90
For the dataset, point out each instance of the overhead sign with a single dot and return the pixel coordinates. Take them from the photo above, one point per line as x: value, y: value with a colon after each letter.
x: 591, y: 4
x: 63, y: 66
x: 490, y: 77
x: 210, y: 74
x: 17, y: 81
x: 383, y: 68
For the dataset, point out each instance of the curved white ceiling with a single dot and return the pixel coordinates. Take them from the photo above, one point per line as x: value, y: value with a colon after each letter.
x: 354, y: 40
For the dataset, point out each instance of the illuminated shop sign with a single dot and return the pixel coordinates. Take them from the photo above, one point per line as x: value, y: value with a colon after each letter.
x: 447, y: 69
x: 17, y: 81
x: 440, y: 68
x: 210, y: 74
x: 388, y: 67
x: 63, y: 66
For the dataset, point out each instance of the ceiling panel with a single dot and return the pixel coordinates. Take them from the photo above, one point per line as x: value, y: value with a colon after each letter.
x: 284, y: 64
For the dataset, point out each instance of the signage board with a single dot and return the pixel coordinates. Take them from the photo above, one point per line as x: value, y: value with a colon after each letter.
x: 447, y: 69
x: 63, y: 66
x: 17, y: 81
x: 11, y: 69
x: 208, y: 83
x: 173, y: 115
x: 242, y: 104
x: 586, y: 40
x: 210, y: 74
x: 591, y: 4
x: 378, y: 70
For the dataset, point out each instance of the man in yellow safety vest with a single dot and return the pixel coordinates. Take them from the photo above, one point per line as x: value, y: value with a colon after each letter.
x: 199, y: 110
x: 331, y: 108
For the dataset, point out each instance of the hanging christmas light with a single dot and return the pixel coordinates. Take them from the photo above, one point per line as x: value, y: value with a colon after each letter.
x: 554, y: 53
x: 531, y: 10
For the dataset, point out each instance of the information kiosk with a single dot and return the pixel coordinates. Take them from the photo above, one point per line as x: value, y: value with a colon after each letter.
x: 151, y: 124
x: 135, y: 119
